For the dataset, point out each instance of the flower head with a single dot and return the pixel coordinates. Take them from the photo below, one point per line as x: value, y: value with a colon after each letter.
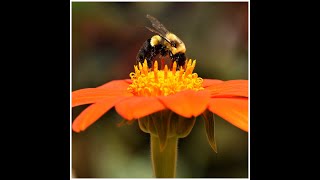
x: 150, y: 91
x: 164, y: 82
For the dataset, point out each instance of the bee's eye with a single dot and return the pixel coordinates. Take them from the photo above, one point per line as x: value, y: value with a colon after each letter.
x: 173, y: 44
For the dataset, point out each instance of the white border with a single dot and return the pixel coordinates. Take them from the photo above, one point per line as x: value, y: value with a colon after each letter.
x: 70, y: 101
x: 158, y: 1
x: 249, y: 89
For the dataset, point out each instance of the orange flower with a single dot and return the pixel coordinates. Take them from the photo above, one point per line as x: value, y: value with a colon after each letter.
x: 148, y: 92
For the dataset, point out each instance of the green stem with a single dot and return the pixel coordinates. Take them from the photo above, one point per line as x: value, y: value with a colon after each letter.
x: 164, y: 162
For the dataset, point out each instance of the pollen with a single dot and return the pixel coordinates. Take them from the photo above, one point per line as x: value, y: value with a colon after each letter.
x: 155, y: 82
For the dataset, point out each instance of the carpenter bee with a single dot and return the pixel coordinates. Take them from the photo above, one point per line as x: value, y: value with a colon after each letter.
x: 163, y: 43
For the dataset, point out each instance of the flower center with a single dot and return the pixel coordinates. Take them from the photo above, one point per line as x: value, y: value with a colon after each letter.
x: 164, y: 82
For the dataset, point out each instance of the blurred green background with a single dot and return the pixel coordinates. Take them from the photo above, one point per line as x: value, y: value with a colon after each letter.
x: 105, y: 40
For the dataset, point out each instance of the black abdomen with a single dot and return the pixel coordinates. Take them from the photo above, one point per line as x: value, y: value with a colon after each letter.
x: 145, y: 52
x: 148, y: 52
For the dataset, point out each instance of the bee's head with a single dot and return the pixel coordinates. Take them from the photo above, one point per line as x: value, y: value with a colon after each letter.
x: 176, y: 45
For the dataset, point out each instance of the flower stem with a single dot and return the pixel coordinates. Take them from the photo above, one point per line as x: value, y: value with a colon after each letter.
x: 164, y: 162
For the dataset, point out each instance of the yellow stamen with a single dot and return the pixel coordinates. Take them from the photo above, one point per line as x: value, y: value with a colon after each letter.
x: 164, y: 82
x: 174, y: 68
x: 189, y: 68
x: 140, y: 66
x: 194, y: 64
x: 181, y: 73
x: 165, y: 71
x: 155, y: 70
x: 145, y: 67
x: 137, y: 71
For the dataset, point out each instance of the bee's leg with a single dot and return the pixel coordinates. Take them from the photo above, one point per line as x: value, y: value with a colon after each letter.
x: 162, y: 63
x: 150, y: 63
x: 171, y: 65
x: 172, y: 59
x: 163, y: 52
x: 182, y: 59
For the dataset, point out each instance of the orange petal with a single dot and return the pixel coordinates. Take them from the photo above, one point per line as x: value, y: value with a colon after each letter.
x: 138, y: 106
x: 94, y: 112
x: 210, y: 82
x: 117, y: 84
x: 229, y: 88
x: 233, y: 110
x: 128, y: 81
x: 92, y: 95
x: 187, y: 103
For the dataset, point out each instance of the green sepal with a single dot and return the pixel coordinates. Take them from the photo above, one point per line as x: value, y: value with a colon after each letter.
x: 210, y: 129
x: 166, y: 124
x: 162, y: 128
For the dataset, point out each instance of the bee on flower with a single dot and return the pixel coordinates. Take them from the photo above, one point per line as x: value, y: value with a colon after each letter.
x: 165, y: 100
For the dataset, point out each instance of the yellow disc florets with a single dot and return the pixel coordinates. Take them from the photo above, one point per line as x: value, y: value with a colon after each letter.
x: 163, y: 82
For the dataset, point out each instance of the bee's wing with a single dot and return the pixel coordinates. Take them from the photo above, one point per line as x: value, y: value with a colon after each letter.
x: 158, y: 26
x: 155, y: 31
